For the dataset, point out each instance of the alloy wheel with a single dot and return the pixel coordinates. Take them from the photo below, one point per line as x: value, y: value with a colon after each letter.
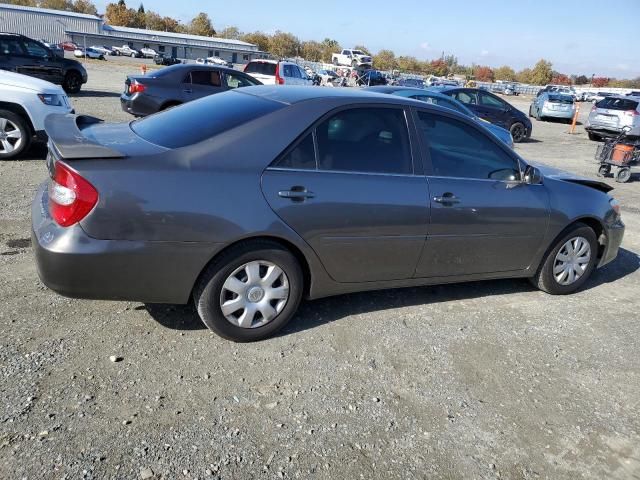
x: 517, y: 132
x: 254, y: 294
x: 10, y: 136
x: 572, y: 260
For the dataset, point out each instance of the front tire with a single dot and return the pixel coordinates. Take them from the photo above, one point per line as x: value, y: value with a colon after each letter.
x: 569, y: 263
x: 72, y: 82
x: 518, y: 132
x: 250, y: 292
x: 15, y: 135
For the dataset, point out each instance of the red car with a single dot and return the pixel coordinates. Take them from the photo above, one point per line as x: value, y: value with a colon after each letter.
x: 69, y: 46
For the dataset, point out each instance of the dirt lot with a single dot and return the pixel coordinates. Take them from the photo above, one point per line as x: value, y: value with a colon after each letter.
x: 483, y: 380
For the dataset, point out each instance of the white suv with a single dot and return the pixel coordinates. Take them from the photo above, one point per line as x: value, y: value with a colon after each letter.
x: 272, y: 72
x: 24, y: 104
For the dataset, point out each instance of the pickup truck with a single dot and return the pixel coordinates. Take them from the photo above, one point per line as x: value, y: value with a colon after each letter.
x: 126, y: 51
x: 352, y: 58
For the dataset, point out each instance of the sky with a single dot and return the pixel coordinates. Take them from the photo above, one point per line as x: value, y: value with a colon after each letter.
x: 577, y: 36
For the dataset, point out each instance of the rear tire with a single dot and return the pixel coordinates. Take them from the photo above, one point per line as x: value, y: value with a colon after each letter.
x: 623, y: 175
x: 15, y: 135
x: 594, y: 138
x: 547, y: 281
x: 220, y: 279
x: 604, y: 170
x: 72, y: 82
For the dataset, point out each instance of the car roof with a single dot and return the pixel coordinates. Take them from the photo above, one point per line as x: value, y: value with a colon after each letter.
x: 292, y: 94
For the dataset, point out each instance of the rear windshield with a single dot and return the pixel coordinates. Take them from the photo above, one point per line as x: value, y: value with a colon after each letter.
x: 613, y: 103
x: 560, y: 99
x: 199, y: 120
x: 262, y: 68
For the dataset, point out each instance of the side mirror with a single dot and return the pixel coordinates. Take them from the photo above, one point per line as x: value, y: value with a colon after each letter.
x: 532, y: 176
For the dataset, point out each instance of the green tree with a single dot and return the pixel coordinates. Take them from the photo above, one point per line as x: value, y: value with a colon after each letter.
x: 232, y: 33
x: 311, y: 50
x: 84, y: 6
x: 385, y: 60
x: 505, y: 73
x: 581, y: 80
x: 329, y: 47
x: 56, y: 4
x: 118, y: 14
x: 284, y: 44
x: 409, y: 64
x: 260, y: 39
x: 141, y: 9
x: 201, y: 25
x: 23, y: 3
x: 363, y: 49
x: 542, y: 73
x: 439, y: 67
x: 524, y: 76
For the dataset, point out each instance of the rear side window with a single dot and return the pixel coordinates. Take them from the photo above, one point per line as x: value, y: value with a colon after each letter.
x: 372, y: 140
x: 261, y: 68
x: 202, y: 119
x: 613, y: 103
x: 461, y: 151
x: 209, y: 78
x: 301, y: 157
x: 10, y: 46
x: 470, y: 98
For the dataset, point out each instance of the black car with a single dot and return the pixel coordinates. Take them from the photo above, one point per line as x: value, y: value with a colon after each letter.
x: 372, y: 78
x: 492, y: 108
x: 162, y: 59
x: 30, y: 57
x: 177, y: 84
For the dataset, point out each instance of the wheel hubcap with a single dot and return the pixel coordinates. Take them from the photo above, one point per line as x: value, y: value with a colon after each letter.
x: 254, y: 294
x: 572, y: 261
x: 10, y: 136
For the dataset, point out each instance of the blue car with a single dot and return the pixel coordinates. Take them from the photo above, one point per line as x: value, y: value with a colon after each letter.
x: 448, y: 102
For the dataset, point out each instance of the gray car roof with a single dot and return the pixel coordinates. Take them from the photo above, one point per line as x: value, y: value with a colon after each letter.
x: 290, y: 95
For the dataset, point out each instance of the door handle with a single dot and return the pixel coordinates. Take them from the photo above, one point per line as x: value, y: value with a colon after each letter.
x: 297, y: 194
x: 447, y: 199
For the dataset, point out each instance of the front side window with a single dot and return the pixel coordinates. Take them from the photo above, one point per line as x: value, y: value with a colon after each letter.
x: 469, y: 98
x: 371, y: 140
x: 462, y: 151
x: 288, y: 71
x: 491, y: 101
x: 35, y: 49
x: 10, y: 46
x: 236, y: 81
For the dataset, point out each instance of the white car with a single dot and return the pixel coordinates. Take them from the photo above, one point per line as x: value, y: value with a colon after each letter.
x: 214, y: 61
x: 26, y: 102
x: 103, y: 50
x: 273, y: 72
x: 88, y: 53
x: 148, y: 52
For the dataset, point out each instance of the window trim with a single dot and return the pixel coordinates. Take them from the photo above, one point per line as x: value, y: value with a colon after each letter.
x: 414, y: 149
x: 426, y: 155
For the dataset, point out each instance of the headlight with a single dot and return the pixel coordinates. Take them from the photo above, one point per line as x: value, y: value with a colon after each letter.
x: 51, y: 99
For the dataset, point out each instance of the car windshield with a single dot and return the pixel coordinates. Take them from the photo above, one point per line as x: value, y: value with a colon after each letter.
x: 262, y: 68
x: 358, y: 52
x: 560, y: 99
x: 613, y: 103
x: 199, y: 120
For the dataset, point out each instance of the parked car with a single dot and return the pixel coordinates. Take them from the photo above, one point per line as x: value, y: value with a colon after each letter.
x: 104, y: 50
x: 162, y: 59
x: 171, y: 86
x: 492, y: 108
x: 553, y: 105
x: 506, y: 89
x: 411, y: 82
x: 147, y: 52
x: 634, y: 93
x: 601, y: 96
x: 327, y: 77
x: 24, y: 55
x: 215, y: 61
x: 24, y: 104
x: 273, y: 72
x: 611, y: 115
x: 435, y: 98
x: 352, y: 58
x: 88, y: 53
x: 126, y: 51
x: 68, y: 46
x: 54, y: 47
x: 249, y: 200
x: 371, y: 78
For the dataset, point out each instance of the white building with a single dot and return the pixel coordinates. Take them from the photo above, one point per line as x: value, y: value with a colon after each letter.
x: 56, y: 26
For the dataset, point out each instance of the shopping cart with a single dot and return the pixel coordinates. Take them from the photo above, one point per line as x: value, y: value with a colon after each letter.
x: 621, y: 152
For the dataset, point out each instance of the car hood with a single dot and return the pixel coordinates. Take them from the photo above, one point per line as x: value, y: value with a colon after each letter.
x: 557, y: 174
x: 18, y: 80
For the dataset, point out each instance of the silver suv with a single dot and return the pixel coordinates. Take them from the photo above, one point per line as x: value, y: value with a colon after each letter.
x: 611, y: 114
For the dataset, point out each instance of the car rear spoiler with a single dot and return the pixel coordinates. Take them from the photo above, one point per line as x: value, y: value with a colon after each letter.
x: 65, y: 136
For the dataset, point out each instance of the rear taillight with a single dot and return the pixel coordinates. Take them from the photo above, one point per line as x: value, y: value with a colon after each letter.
x: 71, y: 197
x: 136, y: 87
x: 279, y: 79
x: 632, y: 113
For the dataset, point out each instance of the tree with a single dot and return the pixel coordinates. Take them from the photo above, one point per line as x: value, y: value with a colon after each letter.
x: 311, y: 50
x: 84, y: 6
x: 409, y: 64
x: 284, y: 44
x: 599, y: 82
x: 560, y: 79
x: 385, y: 60
x: 232, y: 33
x: 329, y: 47
x: 505, y: 73
x: 56, y: 4
x: 23, y: 3
x: 141, y: 9
x: 257, y: 38
x: 118, y: 14
x: 439, y: 68
x: 363, y: 49
x: 581, y: 80
x: 484, y: 74
x: 541, y: 73
x: 201, y: 25
x: 524, y: 76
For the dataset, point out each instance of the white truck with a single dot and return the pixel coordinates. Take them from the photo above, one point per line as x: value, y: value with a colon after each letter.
x: 352, y: 58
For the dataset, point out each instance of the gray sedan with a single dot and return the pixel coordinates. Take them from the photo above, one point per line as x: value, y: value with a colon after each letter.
x: 553, y: 105
x: 247, y: 201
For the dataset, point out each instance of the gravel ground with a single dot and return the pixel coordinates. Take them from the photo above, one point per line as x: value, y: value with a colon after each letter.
x: 481, y: 380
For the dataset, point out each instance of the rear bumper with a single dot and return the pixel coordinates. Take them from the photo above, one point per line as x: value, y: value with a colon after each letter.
x: 557, y: 113
x: 76, y: 265
x: 139, y: 106
x: 614, y: 234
